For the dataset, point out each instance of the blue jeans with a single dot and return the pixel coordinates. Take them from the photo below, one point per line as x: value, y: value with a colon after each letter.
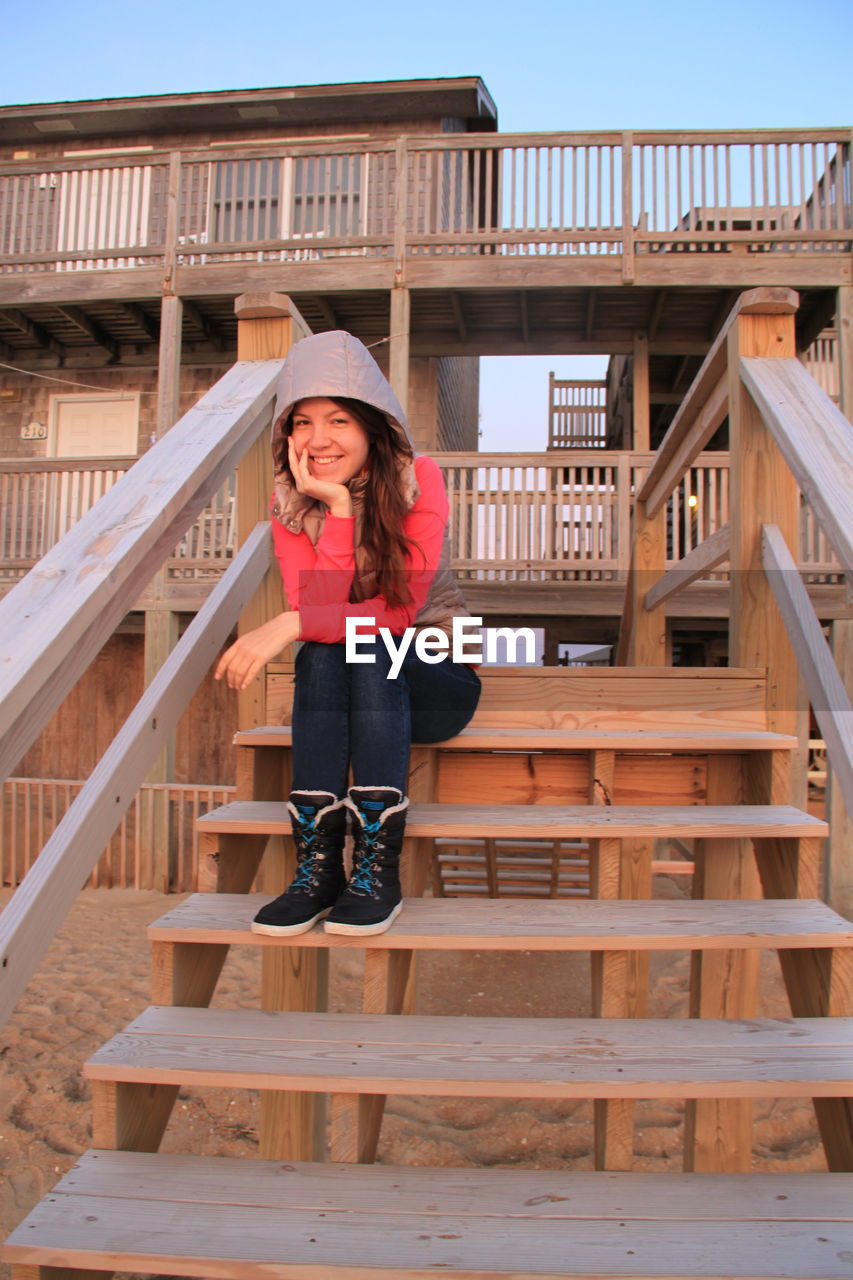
x: 351, y: 714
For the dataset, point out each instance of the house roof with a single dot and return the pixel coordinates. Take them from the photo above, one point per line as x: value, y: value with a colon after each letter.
x: 465, y: 98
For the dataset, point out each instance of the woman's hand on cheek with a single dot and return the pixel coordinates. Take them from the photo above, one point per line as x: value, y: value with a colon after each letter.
x: 239, y: 665
x: 335, y: 496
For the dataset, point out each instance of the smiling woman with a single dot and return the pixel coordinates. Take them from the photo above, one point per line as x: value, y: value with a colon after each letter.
x: 360, y: 531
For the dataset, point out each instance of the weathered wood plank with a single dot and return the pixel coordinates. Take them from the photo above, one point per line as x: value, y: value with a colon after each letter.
x: 565, y: 1194
x: 39, y: 905
x: 517, y: 925
x: 546, y: 821
x: 490, y: 738
x: 241, y: 1241
x: 488, y: 1057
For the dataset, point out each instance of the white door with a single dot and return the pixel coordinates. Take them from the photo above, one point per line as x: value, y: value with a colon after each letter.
x: 81, y: 427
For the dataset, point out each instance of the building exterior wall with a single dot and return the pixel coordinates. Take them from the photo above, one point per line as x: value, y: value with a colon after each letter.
x: 25, y: 399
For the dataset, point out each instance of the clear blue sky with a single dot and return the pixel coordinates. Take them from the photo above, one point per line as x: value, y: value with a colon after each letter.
x: 556, y: 65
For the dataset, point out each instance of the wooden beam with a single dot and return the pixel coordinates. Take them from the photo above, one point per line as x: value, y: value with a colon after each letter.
x: 708, y: 555
x: 557, y: 342
x: 92, y: 330
x: 590, y: 314
x: 657, y: 312
x: 399, y: 343
x: 762, y: 491
x: 524, y: 317
x: 169, y: 367
x: 723, y: 984
x: 327, y: 311
x: 730, y: 298
x: 642, y: 424
x: 459, y: 316
x: 34, y: 331
x: 814, y: 438
x: 680, y: 372
x: 148, y: 324
x: 208, y: 327
x: 267, y: 326
x: 821, y: 318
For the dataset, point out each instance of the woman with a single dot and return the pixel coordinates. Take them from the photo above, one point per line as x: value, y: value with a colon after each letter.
x: 360, y: 532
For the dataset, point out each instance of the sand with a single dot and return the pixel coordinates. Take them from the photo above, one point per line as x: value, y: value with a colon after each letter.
x: 95, y: 978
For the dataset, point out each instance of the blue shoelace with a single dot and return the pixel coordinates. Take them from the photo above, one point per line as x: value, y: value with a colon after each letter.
x: 307, y: 864
x: 364, y: 877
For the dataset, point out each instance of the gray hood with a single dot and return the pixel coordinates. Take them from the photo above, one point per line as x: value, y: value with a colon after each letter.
x: 336, y: 364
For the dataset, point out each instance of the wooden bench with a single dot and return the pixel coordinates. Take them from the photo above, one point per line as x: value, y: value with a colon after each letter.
x: 237, y: 1219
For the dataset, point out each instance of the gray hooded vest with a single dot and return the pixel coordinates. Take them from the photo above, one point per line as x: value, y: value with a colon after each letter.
x: 337, y: 364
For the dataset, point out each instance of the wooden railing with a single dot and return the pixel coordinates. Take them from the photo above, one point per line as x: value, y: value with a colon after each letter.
x: 32, y: 809
x: 514, y: 517
x: 55, y: 621
x: 789, y: 442
x: 628, y: 194
x: 43, y: 498
x: 577, y: 414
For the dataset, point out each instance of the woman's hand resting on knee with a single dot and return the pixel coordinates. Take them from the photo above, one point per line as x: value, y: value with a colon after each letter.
x: 241, y: 663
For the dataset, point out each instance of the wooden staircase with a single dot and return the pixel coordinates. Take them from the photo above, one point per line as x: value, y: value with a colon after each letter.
x: 570, y: 753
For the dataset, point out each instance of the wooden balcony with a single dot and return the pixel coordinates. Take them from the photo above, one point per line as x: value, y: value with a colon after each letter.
x: 544, y: 534
x: 508, y: 242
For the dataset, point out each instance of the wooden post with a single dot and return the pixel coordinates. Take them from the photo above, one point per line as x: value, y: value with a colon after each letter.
x: 646, y: 642
x: 398, y: 371
x: 642, y: 404
x: 291, y: 1124
x: 612, y: 975
x: 763, y: 491
x: 724, y: 984
x: 628, y: 206
x: 161, y: 623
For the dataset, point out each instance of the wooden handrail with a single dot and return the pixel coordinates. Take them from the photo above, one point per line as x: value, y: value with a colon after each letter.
x: 706, y: 403
x: 41, y: 902
x: 829, y: 698
x: 57, y: 618
x: 815, y: 440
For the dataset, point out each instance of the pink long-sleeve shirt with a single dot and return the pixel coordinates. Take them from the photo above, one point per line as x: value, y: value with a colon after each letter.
x: 318, y: 578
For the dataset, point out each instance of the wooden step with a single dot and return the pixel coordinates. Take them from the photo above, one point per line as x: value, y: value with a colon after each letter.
x: 430, y: 924
x: 485, y: 1057
x: 203, y: 1216
x: 547, y: 822
x: 523, y: 738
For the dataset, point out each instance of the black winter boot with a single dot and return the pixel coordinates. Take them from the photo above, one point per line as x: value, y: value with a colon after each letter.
x: 319, y: 829
x: 372, y: 899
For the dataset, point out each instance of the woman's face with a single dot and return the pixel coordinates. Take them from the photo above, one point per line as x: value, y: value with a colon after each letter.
x: 336, y: 443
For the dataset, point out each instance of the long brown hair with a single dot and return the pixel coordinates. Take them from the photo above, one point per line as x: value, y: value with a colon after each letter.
x: 384, y: 507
